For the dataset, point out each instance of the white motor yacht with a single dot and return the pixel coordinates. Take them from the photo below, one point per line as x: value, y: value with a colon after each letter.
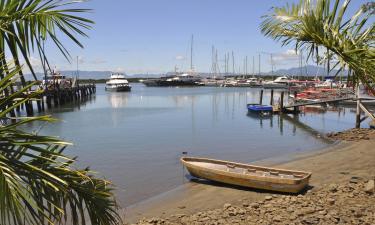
x: 117, y: 82
x: 280, y: 82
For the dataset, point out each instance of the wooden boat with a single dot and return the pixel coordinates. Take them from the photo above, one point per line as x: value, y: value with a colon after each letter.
x: 266, y: 178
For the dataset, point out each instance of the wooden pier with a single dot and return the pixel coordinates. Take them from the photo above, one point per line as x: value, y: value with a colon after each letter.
x: 55, y: 97
x: 293, y: 108
x: 334, y: 100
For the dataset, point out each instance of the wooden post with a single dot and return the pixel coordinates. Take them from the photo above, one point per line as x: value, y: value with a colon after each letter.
x: 55, y: 99
x: 261, y: 97
x: 358, y: 115
x: 295, y: 109
x: 271, y: 101
x: 39, y: 106
x: 358, y: 111
x: 282, y: 102
x: 43, y: 107
x: 48, y: 100
x: 29, y: 108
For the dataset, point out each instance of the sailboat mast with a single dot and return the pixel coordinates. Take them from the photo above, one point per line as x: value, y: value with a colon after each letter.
x: 246, y: 66
x: 253, y: 66
x: 259, y: 64
x: 77, y: 72
x: 191, y: 52
x: 233, y: 62
x: 272, y: 66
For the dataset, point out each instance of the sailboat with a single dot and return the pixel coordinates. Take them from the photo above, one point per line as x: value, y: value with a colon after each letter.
x: 178, y: 78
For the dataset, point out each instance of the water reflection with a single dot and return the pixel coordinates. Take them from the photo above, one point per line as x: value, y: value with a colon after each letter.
x: 134, y: 139
x: 118, y: 99
x: 267, y: 120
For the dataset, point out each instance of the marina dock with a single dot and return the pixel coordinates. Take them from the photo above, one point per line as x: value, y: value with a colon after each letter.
x: 55, y: 97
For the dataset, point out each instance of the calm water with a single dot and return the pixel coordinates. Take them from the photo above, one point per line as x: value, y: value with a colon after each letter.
x: 135, y: 139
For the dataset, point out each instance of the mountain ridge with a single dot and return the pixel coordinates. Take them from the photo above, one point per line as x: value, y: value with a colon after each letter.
x: 309, y: 70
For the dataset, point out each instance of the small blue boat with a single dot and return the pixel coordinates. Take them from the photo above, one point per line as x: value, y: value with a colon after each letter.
x: 256, y: 108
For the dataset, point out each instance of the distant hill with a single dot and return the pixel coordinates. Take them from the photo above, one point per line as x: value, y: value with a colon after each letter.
x: 91, y: 74
x: 308, y: 70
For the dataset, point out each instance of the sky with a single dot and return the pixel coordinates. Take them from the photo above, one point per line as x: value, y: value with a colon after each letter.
x: 154, y: 36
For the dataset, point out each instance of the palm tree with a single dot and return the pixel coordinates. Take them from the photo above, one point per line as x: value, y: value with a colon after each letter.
x: 38, y: 183
x: 321, y: 25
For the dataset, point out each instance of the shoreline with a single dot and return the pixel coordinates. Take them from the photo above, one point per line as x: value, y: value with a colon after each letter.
x: 193, y: 197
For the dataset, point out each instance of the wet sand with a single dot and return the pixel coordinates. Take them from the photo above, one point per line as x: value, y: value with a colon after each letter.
x: 335, y: 164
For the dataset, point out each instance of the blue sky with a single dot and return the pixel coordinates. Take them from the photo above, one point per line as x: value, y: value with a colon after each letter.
x: 152, y: 36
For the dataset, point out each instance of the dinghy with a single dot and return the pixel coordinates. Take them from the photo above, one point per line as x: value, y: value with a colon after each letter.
x: 258, y: 177
x: 260, y: 109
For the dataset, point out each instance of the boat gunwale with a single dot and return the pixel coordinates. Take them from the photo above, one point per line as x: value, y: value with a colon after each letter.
x: 278, y: 180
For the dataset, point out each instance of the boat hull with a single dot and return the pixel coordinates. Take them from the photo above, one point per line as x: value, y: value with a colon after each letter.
x: 260, y: 109
x: 119, y: 89
x: 270, y: 183
x: 275, y: 86
x: 166, y: 83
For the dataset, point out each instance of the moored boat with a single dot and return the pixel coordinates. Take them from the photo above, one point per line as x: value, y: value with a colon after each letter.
x: 118, y: 83
x: 280, y: 82
x: 245, y: 175
x: 261, y: 109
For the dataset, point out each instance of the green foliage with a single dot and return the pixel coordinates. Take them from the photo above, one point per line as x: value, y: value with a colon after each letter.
x: 38, y: 183
x: 26, y: 24
x: 316, y: 25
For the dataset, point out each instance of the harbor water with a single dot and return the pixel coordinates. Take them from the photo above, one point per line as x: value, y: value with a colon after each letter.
x: 135, y: 139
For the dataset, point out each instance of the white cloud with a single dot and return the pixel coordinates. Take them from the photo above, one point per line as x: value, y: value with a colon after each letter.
x: 180, y: 57
x: 98, y: 61
x: 35, y: 63
x: 81, y: 60
x: 286, y: 57
x: 119, y: 70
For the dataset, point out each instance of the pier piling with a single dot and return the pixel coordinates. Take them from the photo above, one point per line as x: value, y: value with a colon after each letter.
x: 271, y: 100
x: 261, y: 97
x: 282, y: 102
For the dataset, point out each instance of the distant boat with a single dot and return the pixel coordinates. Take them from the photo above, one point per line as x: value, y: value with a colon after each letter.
x: 327, y: 84
x: 280, y: 82
x: 250, y: 82
x: 245, y: 175
x: 118, y: 83
x: 184, y: 79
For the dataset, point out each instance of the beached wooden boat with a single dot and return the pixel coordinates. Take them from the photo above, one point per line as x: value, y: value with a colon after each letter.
x: 247, y: 175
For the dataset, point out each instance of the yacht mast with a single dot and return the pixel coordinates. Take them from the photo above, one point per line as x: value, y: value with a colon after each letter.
x: 259, y: 65
x: 253, y: 66
x: 233, y: 62
x: 191, y: 52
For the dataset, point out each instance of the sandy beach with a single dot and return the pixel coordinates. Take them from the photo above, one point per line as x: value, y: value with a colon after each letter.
x: 352, y: 156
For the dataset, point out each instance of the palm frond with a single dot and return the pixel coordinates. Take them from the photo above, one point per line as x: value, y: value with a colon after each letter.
x: 312, y: 24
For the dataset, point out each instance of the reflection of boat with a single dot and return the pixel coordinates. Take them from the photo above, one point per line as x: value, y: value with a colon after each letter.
x: 118, y: 100
x: 256, y: 116
x: 247, y: 175
x: 117, y: 82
